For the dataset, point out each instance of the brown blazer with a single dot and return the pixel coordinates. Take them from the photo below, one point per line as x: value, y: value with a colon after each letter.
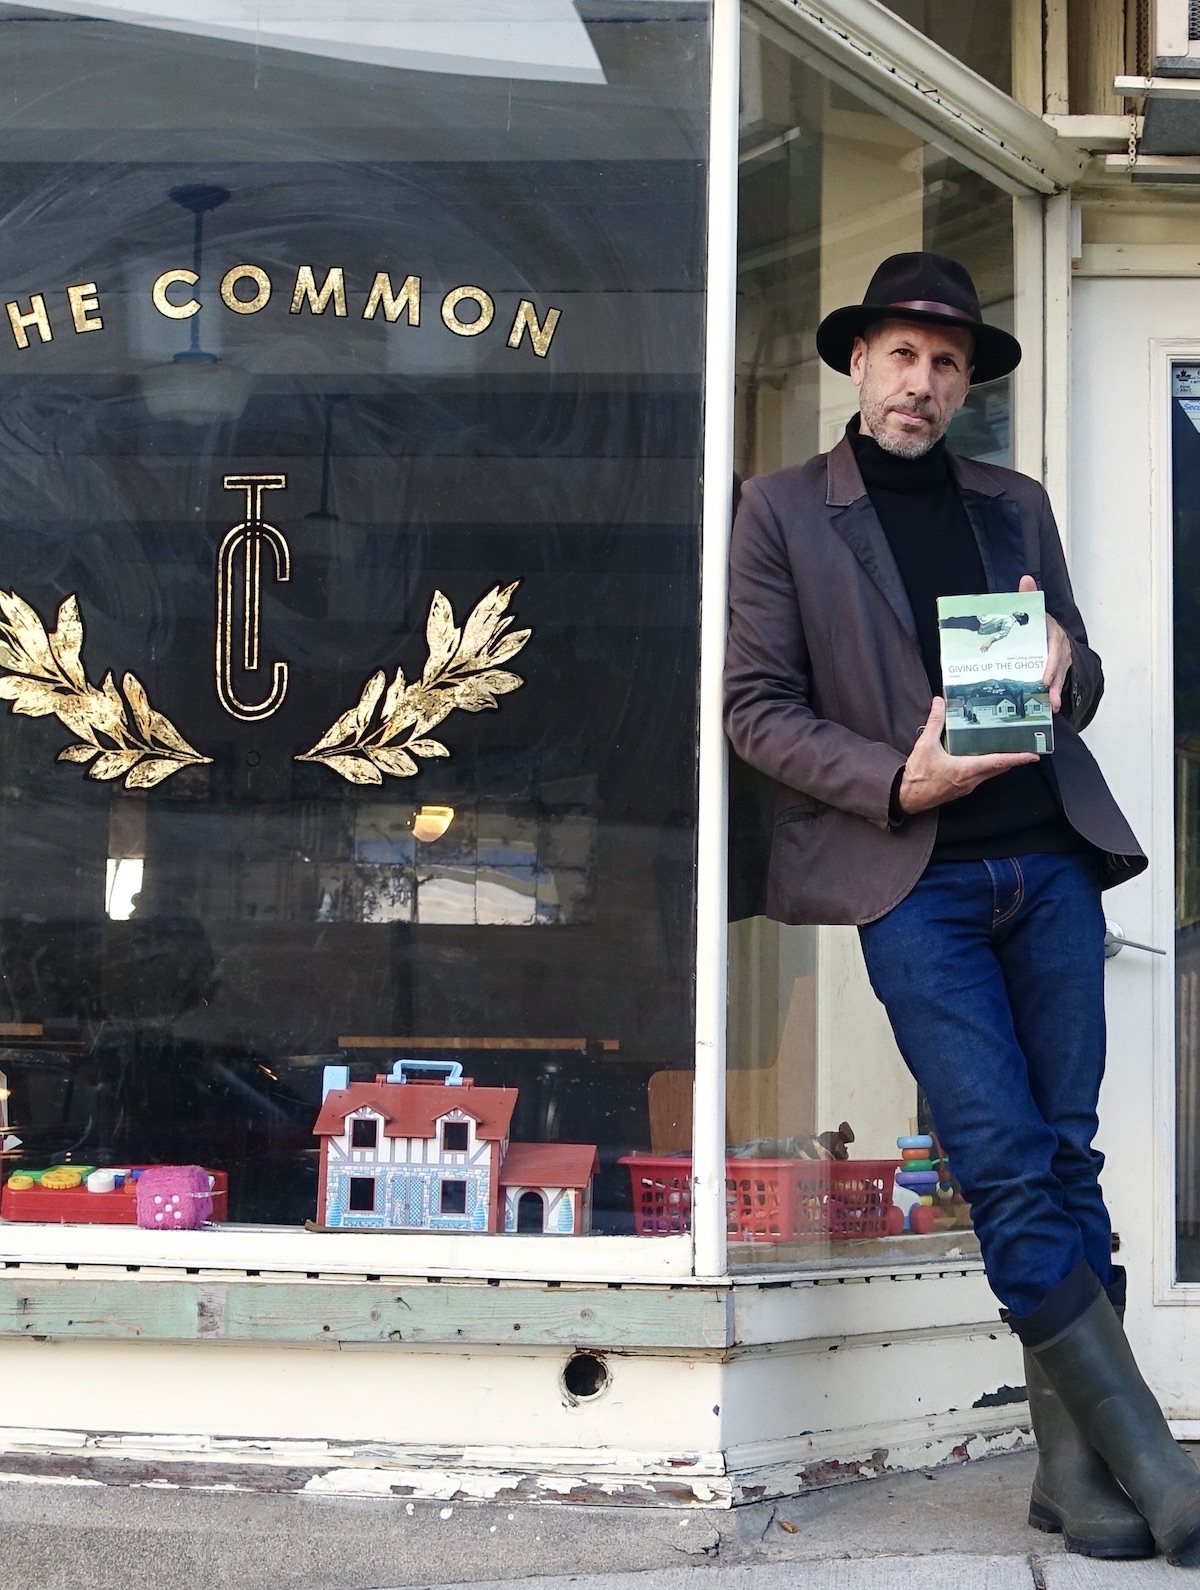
x: 826, y: 692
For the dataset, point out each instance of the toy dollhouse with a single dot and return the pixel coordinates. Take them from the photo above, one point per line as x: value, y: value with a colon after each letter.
x: 417, y: 1155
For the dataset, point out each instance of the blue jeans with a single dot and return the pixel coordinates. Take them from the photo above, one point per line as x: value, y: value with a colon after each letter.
x: 992, y: 975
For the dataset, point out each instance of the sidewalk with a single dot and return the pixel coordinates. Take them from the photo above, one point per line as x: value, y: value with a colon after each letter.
x: 949, y: 1529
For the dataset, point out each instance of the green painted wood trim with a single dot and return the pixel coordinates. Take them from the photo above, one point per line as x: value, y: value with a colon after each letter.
x: 299, y: 1312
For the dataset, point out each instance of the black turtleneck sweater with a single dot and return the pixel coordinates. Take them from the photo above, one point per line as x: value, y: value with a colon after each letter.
x: 927, y: 528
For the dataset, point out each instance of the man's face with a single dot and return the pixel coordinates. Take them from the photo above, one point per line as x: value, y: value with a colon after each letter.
x: 912, y: 380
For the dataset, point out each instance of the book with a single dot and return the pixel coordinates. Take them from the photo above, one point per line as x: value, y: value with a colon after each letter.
x: 993, y: 657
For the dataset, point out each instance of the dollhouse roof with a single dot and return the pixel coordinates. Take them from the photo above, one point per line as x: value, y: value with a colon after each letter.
x: 549, y: 1165
x: 413, y: 1109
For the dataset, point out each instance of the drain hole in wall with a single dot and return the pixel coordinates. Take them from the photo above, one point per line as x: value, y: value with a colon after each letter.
x: 585, y: 1377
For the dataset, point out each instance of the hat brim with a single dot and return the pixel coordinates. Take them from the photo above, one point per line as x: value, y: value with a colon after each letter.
x: 997, y: 353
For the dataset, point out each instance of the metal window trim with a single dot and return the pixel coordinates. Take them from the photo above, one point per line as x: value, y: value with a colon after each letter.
x: 871, y: 51
x: 1163, y: 353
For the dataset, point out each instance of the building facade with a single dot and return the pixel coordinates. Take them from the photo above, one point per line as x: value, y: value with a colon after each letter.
x: 372, y: 397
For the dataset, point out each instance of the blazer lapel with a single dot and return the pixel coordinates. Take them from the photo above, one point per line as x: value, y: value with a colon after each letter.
x: 856, y: 521
x: 996, y: 520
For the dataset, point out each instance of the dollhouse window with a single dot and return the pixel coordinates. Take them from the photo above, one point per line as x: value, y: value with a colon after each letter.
x: 364, y: 1134
x: 362, y: 1193
x: 455, y: 1137
x: 454, y: 1197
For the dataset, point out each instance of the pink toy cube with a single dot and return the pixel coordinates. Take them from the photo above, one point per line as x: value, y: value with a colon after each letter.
x: 173, y: 1198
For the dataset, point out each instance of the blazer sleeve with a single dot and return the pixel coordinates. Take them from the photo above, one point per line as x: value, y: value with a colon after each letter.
x: 1085, y: 681
x: 769, y: 715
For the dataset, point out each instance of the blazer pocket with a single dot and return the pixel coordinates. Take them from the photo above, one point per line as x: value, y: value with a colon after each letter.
x: 800, y: 812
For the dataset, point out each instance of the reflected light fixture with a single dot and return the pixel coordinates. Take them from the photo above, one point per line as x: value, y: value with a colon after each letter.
x: 431, y: 822
x: 196, y: 388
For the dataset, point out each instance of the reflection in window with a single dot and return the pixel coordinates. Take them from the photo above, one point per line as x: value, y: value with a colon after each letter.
x: 450, y: 320
x: 976, y: 32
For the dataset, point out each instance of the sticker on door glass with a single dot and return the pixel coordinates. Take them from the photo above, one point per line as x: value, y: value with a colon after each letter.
x: 1185, y: 389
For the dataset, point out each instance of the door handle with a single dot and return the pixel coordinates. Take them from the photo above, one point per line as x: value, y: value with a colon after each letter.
x: 1115, y: 941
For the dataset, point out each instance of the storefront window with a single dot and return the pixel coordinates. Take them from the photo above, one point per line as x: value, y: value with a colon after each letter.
x: 350, y: 439
x: 830, y: 187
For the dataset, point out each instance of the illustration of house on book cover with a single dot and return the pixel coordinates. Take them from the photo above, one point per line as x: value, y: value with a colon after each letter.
x: 399, y: 1154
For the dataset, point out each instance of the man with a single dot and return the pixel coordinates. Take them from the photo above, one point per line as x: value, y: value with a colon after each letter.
x: 975, y: 880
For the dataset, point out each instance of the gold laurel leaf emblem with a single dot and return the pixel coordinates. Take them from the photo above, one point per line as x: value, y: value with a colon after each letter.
x: 389, y: 728
x: 117, y: 731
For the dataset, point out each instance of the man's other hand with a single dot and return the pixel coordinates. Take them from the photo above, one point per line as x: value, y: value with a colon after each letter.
x: 1058, y: 651
x: 932, y: 776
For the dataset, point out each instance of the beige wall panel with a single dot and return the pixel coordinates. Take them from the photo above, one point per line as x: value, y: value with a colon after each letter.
x: 860, y: 1075
x: 1096, y: 46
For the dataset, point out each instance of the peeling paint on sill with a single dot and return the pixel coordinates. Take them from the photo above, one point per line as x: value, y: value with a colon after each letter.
x: 1002, y: 1397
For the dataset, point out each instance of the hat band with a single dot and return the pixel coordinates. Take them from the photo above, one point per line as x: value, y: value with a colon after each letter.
x: 929, y: 306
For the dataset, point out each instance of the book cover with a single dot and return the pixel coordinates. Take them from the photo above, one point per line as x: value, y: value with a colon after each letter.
x: 993, y: 657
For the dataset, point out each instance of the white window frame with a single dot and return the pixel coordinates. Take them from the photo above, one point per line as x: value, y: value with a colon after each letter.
x: 1164, y: 353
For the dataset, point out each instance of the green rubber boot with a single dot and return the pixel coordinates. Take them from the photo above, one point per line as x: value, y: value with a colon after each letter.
x: 1074, y: 1493
x: 1090, y: 1366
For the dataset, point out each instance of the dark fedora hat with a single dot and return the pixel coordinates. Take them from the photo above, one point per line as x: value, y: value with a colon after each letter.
x: 923, y: 287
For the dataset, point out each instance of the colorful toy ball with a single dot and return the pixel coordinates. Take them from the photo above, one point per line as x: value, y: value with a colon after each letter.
x: 173, y: 1198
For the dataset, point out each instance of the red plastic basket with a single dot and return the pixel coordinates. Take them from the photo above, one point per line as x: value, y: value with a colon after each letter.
x: 768, y: 1200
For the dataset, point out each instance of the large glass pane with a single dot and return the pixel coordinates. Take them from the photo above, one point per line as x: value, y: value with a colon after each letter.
x: 977, y: 32
x: 829, y: 187
x: 350, y: 420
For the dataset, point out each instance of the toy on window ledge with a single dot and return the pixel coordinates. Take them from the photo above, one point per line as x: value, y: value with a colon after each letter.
x: 925, y: 1195
x: 173, y: 1198
x: 87, y: 1195
x: 399, y: 1154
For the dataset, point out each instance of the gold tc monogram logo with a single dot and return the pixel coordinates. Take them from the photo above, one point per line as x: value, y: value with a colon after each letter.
x: 248, y: 538
x: 118, y: 734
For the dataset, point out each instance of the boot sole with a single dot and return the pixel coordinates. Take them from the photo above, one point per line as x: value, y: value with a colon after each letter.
x: 1187, y: 1553
x: 1041, y: 1517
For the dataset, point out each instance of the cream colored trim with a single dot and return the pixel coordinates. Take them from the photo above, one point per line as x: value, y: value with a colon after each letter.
x: 293, y: 1250
x: 1158, y: 87
x: 1058, y: 232
x: 869, y: 50
x: 1094, y: 133
x: 1029, y: 324
x: 1058, y: 93
x: 1139, y: 259
x: 1027, y: 60
x: 1148, y: 168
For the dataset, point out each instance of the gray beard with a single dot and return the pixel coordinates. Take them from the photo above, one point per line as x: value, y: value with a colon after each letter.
x: 909, y: 447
